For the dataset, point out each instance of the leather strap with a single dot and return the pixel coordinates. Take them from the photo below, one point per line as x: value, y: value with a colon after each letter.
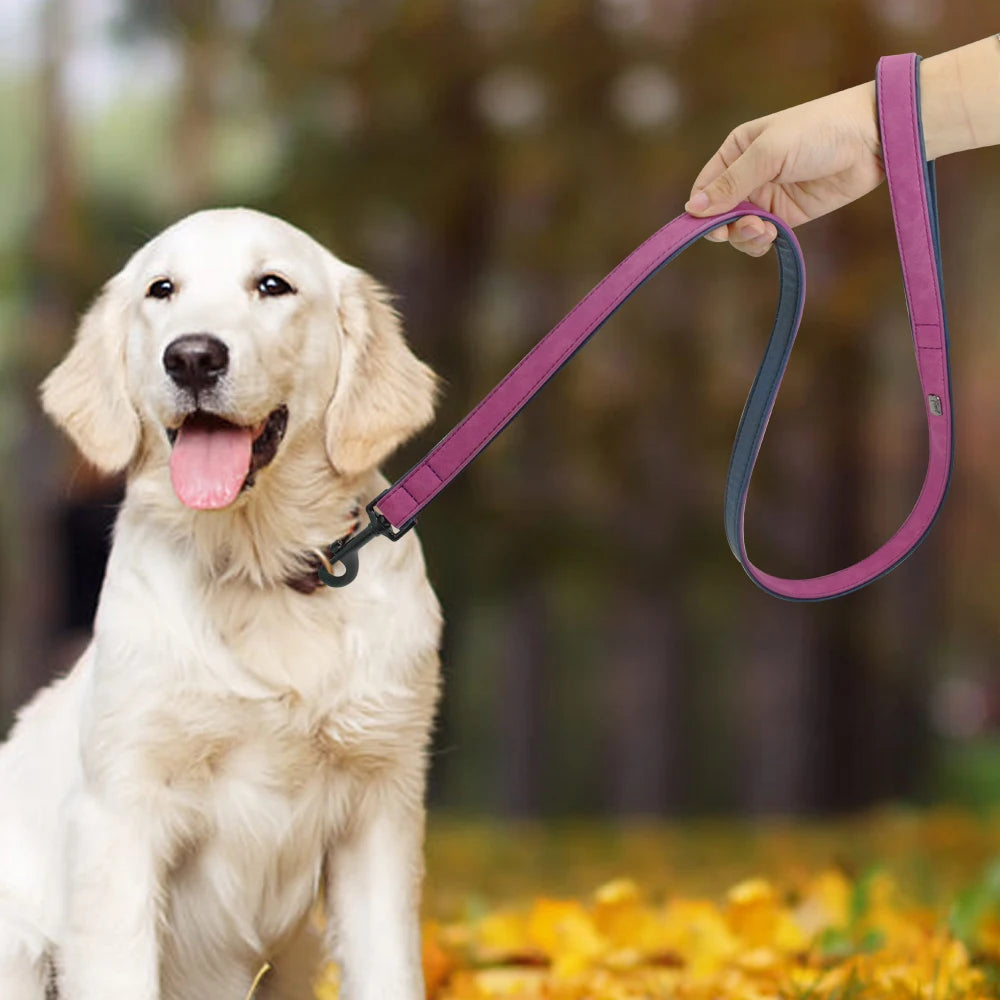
x: 912, y: 193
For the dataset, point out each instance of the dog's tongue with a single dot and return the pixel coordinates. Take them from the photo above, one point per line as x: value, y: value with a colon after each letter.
x: 209, y: 464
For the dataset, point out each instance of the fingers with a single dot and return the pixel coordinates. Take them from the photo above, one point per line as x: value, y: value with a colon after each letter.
x: 749, y: 235
x: 735, y: 145
x: 744, y: 163
x: 752, y: 236
x: 740, y: 166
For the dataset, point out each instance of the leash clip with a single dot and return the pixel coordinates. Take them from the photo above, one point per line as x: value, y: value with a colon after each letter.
x: 345, y: 550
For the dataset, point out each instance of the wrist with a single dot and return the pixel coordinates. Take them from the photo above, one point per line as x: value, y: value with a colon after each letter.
x: 945, y: 123
x: 960, y: 98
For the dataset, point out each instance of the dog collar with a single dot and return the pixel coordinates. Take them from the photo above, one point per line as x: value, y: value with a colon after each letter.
x: 309, y: 580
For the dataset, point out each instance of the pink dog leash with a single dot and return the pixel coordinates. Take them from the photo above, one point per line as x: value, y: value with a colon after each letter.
x: 914, y: 209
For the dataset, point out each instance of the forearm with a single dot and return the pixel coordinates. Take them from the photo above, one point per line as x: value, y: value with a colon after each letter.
x: 960, y: 98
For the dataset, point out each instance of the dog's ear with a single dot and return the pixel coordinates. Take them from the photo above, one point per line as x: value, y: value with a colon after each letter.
x: 86, y: 393
x: 384, y: 395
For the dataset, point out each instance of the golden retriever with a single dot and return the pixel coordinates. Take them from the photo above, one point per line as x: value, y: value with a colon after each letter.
x: 237, y: 741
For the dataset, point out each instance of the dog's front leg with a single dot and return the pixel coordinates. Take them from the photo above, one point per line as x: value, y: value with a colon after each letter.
x: 109, y: 946
x: 373, y: 897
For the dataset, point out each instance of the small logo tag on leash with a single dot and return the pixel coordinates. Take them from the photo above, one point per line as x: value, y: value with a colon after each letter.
x: 935, y: 405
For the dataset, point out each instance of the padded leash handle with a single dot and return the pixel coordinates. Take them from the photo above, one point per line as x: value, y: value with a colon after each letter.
x: 912, y: 192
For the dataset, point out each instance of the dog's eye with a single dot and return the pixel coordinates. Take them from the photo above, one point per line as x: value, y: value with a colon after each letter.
x: 273, y: 284
x: 162, y: 288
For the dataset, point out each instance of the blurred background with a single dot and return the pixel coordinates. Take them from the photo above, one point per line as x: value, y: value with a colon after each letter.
x: 490, y: 160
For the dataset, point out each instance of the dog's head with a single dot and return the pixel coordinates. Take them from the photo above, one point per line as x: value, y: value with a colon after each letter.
x: 223, y: 340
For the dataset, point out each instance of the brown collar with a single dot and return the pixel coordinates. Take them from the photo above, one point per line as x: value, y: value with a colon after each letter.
x: 308, y: 581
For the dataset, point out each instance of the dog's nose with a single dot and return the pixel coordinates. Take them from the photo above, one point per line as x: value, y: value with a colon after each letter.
x: 196, y: 360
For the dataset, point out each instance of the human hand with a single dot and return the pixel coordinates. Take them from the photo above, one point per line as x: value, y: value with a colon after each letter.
x: 797, y: 164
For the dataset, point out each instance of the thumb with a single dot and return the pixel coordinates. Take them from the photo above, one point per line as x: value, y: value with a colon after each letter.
x: 746, y: 173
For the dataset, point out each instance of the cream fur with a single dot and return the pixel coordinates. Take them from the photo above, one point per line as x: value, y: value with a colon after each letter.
x: 228, y: 750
